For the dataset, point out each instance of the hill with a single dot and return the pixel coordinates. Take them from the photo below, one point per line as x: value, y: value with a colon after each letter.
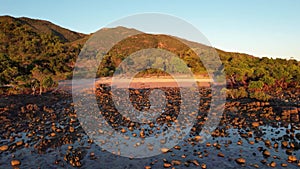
x: 35, y: 54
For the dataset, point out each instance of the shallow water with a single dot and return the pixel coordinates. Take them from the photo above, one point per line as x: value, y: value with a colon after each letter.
x: 30, y: 158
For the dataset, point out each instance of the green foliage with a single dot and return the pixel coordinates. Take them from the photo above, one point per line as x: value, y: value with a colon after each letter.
x: 260, y: 96
x: 237, y: 93
x: 256, y: 85
x: 48, y: 83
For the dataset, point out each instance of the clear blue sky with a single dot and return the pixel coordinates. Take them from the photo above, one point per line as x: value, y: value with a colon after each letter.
x: 257, y: 27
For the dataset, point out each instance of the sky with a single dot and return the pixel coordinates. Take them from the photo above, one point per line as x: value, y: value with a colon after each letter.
x: 257, y: 27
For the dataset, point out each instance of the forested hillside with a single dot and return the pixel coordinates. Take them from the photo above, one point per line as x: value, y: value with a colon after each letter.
x: 35, y: 54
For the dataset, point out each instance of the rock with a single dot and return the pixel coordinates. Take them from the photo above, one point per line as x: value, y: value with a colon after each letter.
x: 221, y: 154
x: 195, y: 162
x: 273, y: 164
x: 266, y: 153
x: 203, y: 166
x: 15, y: 162
x: 240, y: 160
x: 198, y: 138
x: 19, y: 143
x: 52, y: 134
x: 147, y: 167
x: 292, y: 159
x: 284, y: 144
x: 71, y: 129
x: 164, y: 150
x: 176, y: 162
x: 284, y: 165
x: 4, y: 148
x: 177, y: 147
x: 268, y: 143
x: 251, y: 142
x: 255, y: 124
x: 167, y: 165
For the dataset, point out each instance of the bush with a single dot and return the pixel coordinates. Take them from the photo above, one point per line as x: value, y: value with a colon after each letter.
x: 256, y: 85
x: 260, y: 96
x: 237, y: 93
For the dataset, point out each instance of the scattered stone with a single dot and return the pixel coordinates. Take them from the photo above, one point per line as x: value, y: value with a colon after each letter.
x: 284, y: 144
x: 268, y: 143
x: 176, y: 162
x: 240, y: 160
x: 198, y: 138
x: 221, y: 154
x: 123, y: 130
x: 292, y: 159
x: 71, y: 129
x: 266, y: 153
x: 273, y: 164
x: 4, y: 148
x: 177, y: 147
x: 164, y: 150
x: 167, y: 165
x: 195, y: 162
x: 255, y: 124
x: 15, y: 162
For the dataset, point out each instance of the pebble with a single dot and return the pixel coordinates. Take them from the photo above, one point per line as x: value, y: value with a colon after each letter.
x: 195, y: 162
x: 164, y: 150
x: 15, y: 162
x: 255, y: 124
x: 267, y: 143
x: 273, y: 164
x: 203, y: 166
x: 19, y: 143
x: 147, y: 167
x: 292, y: 159
x: 240, y: 160
x: 71, y: 129
x: 123, y: 130
x: 176, y: 162
x: 197, y: 138
x: 167, y: 165
x: 221, y: 154
x: 266, y: 153
x: 284, y: 144
x: 284, y: 165
x: 52, y: 134
x: 177, y: 147
x: 4, y: 148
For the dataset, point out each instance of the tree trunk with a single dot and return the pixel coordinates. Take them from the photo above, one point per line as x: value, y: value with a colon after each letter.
x: 41, y: 90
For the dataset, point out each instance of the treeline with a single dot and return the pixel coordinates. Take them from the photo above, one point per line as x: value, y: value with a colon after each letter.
x: 31, y: 61
x: 254, y: 77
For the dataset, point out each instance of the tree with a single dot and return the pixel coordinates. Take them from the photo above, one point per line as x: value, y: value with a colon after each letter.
x: 48, y: 83
x: 256, y: 85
